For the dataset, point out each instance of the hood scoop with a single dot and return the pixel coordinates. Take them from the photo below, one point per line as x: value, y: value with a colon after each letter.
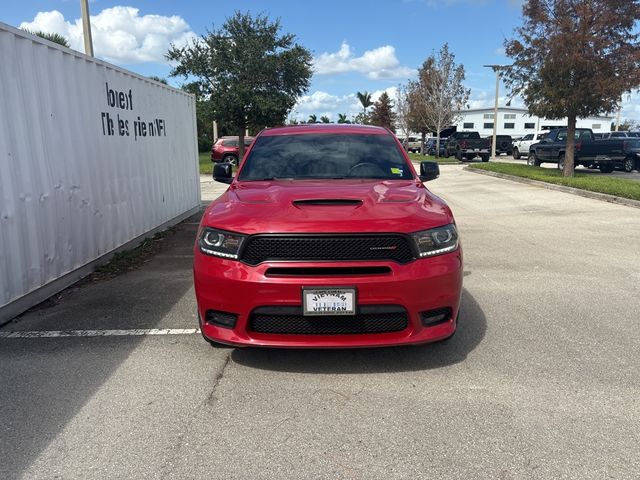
x: 328, y: 202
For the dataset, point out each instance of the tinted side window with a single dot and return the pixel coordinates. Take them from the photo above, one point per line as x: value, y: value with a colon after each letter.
x: 231, y: 143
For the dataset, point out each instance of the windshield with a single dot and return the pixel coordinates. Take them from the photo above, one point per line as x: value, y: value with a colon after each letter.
x: 305, y: 156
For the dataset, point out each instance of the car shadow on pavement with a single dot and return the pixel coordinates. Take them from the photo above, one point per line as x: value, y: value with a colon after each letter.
x: 471, y: 330
x: 46, y: 382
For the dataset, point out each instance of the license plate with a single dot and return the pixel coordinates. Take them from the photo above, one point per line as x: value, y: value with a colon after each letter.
x: 329, y: 301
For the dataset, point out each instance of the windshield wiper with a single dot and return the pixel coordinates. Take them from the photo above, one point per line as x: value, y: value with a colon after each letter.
x: 265, y: 179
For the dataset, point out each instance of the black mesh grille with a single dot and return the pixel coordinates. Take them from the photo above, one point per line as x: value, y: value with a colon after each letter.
x: 332, y: 247
x: 291, y: 323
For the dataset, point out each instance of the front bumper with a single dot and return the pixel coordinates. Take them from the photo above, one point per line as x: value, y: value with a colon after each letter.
x: 233, y: 287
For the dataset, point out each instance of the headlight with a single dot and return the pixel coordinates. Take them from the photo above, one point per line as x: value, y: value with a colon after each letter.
x: 220, y: 243
x: 436, y: 241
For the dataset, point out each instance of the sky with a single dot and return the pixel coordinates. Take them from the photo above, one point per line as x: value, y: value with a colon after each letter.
x: 357, y: 45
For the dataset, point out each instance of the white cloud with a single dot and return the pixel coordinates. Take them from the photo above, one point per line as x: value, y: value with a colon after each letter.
x: 379, y: 63
x: 630, y: 107
x: 321, y: 103
x: 120, y: 34
x: 486, y: 99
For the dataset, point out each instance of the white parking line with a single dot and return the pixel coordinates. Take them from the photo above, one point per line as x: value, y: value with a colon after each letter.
x: 136, y: 332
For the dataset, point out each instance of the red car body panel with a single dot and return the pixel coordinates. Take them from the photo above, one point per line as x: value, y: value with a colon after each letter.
x: 385, y: 206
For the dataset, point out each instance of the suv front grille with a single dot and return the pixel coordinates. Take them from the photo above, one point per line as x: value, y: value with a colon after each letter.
x: 262, y: 248
x: 290, y: 321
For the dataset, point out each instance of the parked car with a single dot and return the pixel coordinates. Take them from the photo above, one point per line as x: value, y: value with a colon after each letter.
x: 430, y: 146
x: 604, y: 154
x: 306, y: 247
x: 631, y: 160
x: 521, y: 147
x: 619, y: 134
x: 504, y: 144
x: 226, y: 149
x: 468, y: 145
x: 412, y: 144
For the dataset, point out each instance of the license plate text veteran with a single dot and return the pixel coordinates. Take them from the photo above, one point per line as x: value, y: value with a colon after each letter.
x: 329, y: 301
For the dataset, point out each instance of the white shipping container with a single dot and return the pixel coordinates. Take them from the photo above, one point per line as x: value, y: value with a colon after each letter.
x: 92, y: 158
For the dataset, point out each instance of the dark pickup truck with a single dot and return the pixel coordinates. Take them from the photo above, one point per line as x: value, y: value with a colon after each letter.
x: 604, y: 154
x: 468, y: 145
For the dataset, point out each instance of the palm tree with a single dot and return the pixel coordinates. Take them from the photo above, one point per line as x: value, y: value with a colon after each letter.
x: 52, y: 37
x: 342, y: 118
x: 365, y: 100
x: 325, y: 119
x: 312, y: 119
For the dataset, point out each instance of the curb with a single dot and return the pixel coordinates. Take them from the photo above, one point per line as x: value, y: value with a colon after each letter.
x: 561, y: 188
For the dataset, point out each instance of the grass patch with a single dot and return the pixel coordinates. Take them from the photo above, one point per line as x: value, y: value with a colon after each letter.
x: 128, y: 260
x: 206, y: 165
x: 416, y: 157
x: 593, y: 182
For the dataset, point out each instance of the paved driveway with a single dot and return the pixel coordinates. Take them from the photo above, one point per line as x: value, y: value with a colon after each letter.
x: 541, y: 381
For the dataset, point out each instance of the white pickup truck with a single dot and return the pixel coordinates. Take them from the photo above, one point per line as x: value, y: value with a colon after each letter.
x: 521, y: 147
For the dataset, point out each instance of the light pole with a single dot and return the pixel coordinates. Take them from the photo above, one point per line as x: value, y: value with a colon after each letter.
x: 86, y: 28
x: 496, y: 68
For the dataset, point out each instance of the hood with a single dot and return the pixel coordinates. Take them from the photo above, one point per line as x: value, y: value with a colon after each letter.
x: 321, y: 206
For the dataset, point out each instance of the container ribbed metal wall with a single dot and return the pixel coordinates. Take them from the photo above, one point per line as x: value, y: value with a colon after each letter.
x: 91, y: 157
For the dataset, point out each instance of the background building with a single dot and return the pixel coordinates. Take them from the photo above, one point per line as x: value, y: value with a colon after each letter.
x: 517, y: 122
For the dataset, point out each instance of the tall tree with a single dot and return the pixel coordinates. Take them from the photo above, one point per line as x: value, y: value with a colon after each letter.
x: 574, y: 58
x: 438, y: 95
x: 253, y: 73
x: 626, y: 125
x: 402, y: 111
x: 312, y: 118
x: 204, y: 116
x: 365, y: 101
x: 382, y: 113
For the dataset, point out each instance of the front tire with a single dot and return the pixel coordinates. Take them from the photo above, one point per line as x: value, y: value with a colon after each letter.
x: 606, y: 167
x: 629, y: 164
x: 485, y: 158
x: 532, y: 160
x: 232, y: 159
x: 516, y: 154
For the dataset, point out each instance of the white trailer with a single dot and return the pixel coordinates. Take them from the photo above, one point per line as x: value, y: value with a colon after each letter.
x: 93, y: 158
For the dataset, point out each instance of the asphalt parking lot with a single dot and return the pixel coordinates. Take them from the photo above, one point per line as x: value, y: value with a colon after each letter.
x: 542, y: 379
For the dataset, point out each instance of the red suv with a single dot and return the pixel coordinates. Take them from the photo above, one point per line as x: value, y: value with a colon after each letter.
x: 327, y: 237
x: 226, y: 149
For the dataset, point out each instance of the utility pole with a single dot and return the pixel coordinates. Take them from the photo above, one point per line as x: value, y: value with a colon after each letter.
x: 496, y: 68
x: 86, y: 28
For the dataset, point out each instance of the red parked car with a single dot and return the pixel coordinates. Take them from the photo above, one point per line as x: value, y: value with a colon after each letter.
x: 226, y: 149
x: 327, y: 237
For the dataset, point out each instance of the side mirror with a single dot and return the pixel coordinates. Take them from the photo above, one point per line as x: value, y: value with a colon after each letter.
x: 223, y: 172
x: 429, y: 171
